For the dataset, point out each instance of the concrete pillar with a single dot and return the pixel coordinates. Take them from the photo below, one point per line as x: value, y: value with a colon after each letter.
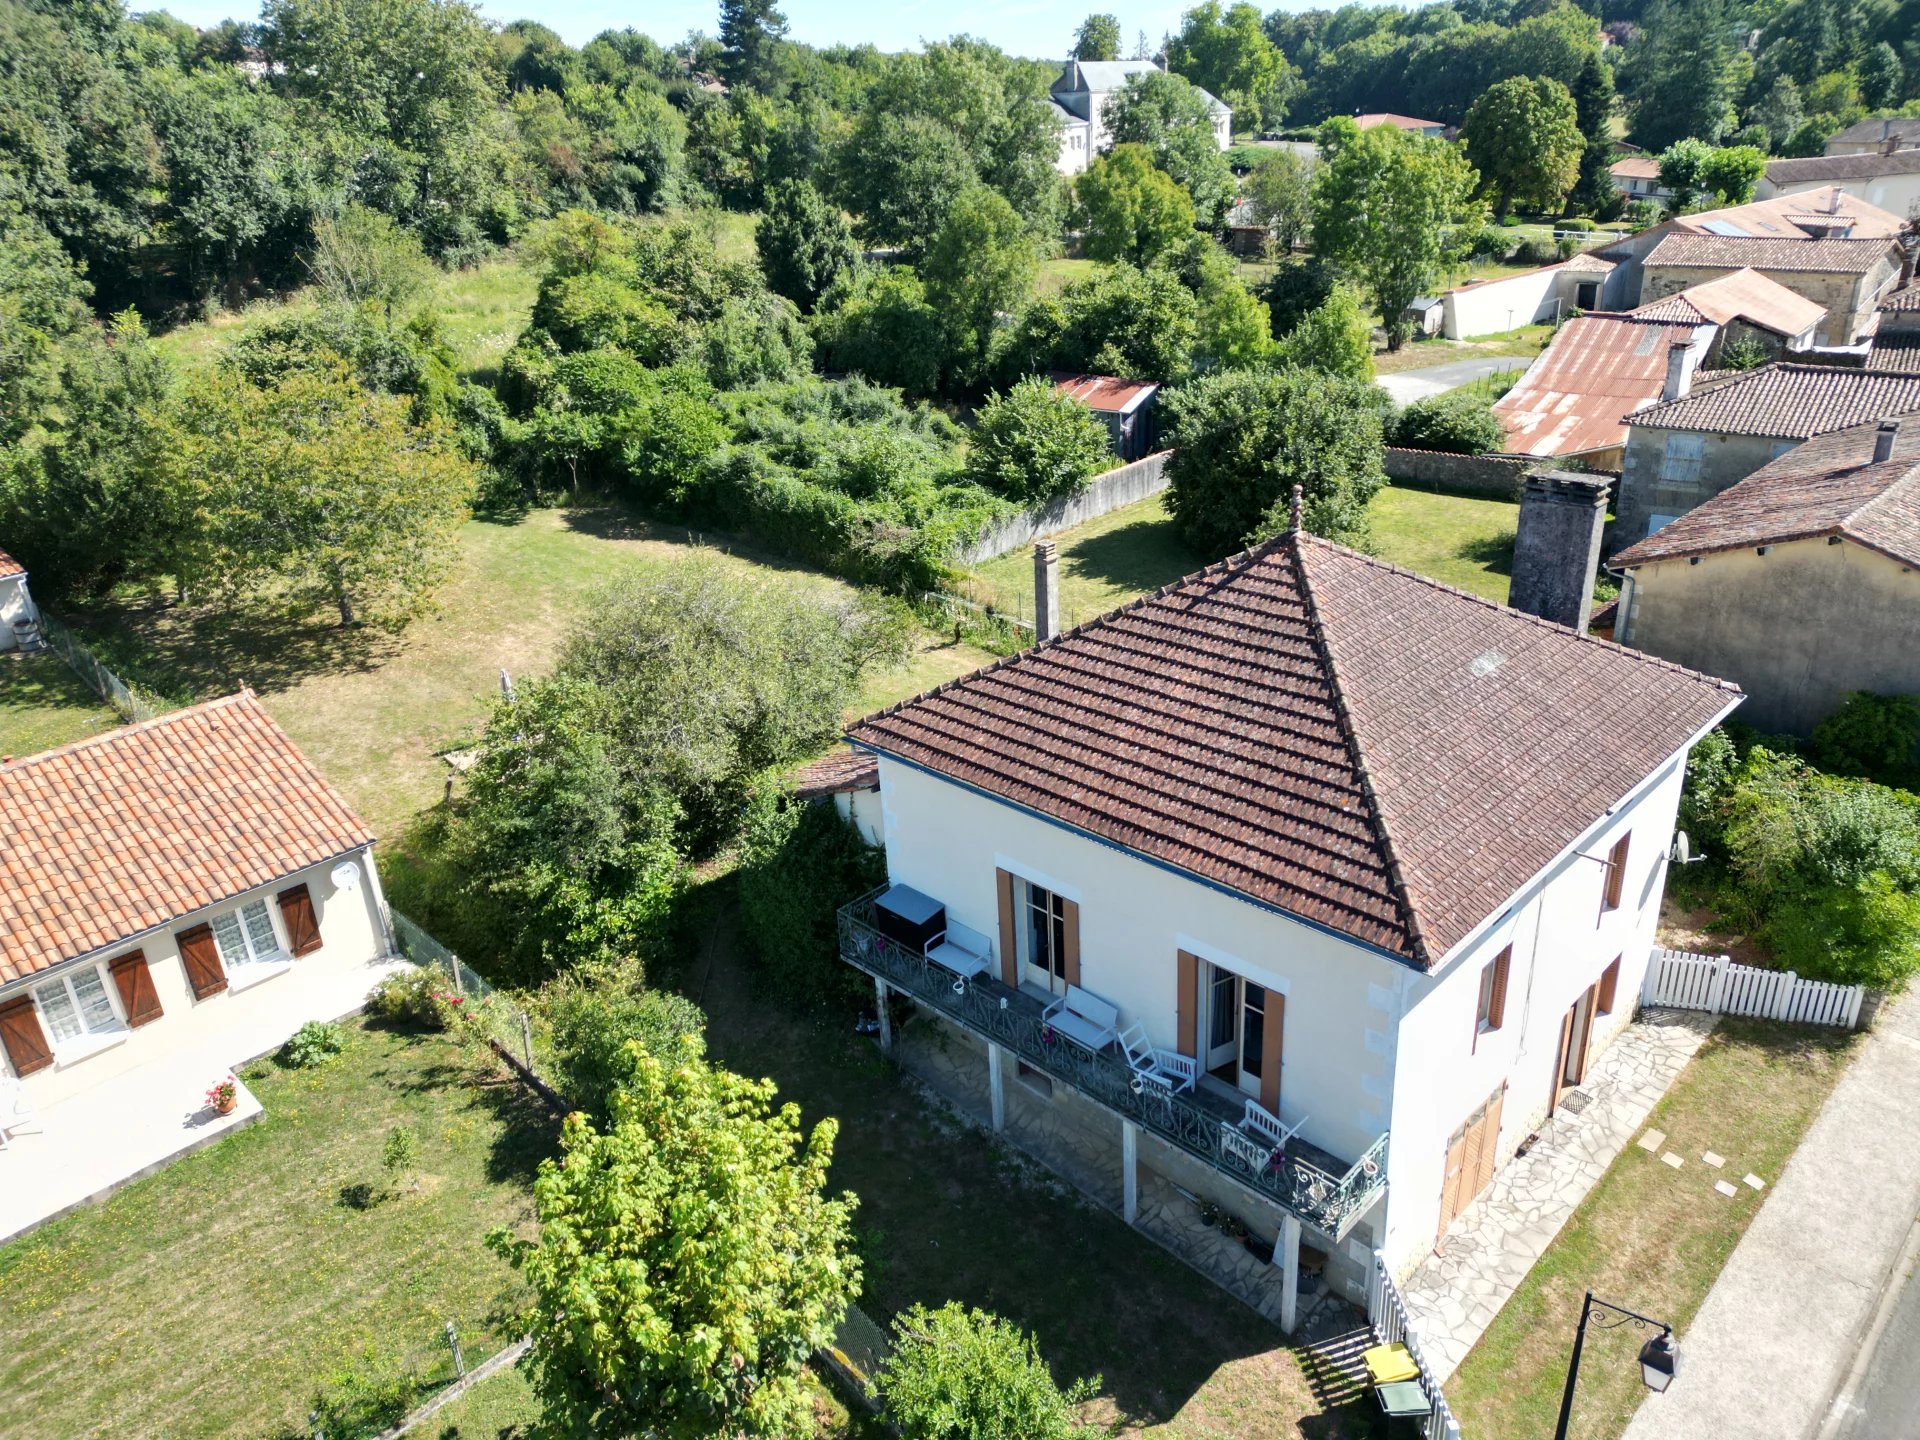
x: 1046, y: 590
x: 997, y: 1084
x: 886, y: 1020
x: 1557, y: 552
x: 1129, y: 1171
x: 1287, y: 1253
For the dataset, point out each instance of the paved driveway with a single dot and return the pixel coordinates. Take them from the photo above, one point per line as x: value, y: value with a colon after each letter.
x: 1411, y: 385
x: 1886, y: 1404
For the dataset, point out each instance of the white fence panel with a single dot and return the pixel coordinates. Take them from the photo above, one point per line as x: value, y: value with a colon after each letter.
x: 1685, y: 981
x: 1387, y: 1313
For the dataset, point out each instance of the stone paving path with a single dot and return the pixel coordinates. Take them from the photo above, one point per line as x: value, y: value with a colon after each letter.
x: 1455, y: 1294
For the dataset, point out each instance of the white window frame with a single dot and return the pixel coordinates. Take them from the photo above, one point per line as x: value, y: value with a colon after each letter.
x: 88, y: 1041
x: 1681, y: 461
x: 252, y: 964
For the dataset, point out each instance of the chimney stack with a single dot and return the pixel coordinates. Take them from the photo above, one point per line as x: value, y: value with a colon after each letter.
x: 1557, y: 551
x: 1679, y: 377
x: 1883, y: 439
x: 1046, y: 590
x: 1893, y: 144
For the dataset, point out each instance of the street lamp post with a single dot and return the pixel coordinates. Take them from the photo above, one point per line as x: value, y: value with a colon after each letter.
x: 1659, y: 1357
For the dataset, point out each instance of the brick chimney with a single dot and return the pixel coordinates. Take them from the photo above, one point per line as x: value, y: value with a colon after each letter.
x: 1046, y: 590
x: 1679, y: 375
x: 1883, y: 440
x: 1557, y: 552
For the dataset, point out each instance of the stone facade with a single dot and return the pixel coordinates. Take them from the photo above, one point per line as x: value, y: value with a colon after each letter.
x: 1556, y: 553
x: 1664, y: 477
x: 1497, y: 477
x: 1849, y: 300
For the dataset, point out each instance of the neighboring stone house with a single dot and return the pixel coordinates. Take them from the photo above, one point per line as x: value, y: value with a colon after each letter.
x: 1360, y: 871
x: 1844, y: 277
x: 1896, y: 344
x: 1744, y: 305
x: 1638, y: 178
x: 1889, y: 178
x: 1080, y: 97
x: 17, y: 611
x: 1802, y: 582
x: 1870, y: 136
x: 1686, y: 450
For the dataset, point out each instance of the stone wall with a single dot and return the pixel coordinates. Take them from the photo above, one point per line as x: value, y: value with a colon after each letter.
x: 1497, y: 477
x: 1125, y: 486
x: 1646, y: 490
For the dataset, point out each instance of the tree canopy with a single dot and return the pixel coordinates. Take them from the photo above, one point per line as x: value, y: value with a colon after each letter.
x: 1523, y: 136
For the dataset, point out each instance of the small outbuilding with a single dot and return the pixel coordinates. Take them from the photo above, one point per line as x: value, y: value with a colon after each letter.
x: 1127, y: 407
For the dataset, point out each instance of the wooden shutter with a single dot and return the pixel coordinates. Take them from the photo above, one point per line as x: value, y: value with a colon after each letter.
x: 1586, y: 1035
x: 1497, y: 1008
x: 1455, y: 1178
x: 303, y: 929
x: 1609, y: 986
x: 1271, y: 1033
x: 20, y: 1032
x: 1009, y: 945
x: 1187, y: 1006
x: 200, y: 957
x: 1070, y: 946
x: 1490, y: 1141
x: 135, y: 983
x: 1560, y: 1081
x: 1616, y: 874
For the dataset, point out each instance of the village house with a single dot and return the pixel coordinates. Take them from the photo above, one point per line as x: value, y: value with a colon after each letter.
x: 1684, y: 451
x: 1079, y: 101
x: 1743, y: 306
x: 1870, y: 136
x: 1283, y: 903
x: 184, y: 894
x: 1638, y: 178
x: 1888, y: 177
x: 1845, y: 276
x: 1411, y: 124
x: 1802, y: 582
x: 19, y: 620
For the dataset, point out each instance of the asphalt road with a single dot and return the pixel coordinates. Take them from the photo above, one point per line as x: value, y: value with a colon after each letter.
x: 1885, y: 1403
x: 1411, y: 385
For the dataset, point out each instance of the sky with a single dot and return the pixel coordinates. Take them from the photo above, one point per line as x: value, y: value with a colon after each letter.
x: 1042, y: 29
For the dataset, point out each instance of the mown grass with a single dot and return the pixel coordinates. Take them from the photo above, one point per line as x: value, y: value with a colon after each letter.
x: 43, y: 704
x: 214, y: 1297
x: 1649, y: 1237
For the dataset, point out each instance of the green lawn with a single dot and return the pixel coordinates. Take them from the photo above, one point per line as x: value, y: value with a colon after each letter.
x: 214, y: 1297
x: 43, y: 704
x: 1649, y: 1237
x: 1128, y: 552
x: 1523, y: 344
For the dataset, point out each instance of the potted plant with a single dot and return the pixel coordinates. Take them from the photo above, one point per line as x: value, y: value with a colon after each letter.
x: 223, y: 1095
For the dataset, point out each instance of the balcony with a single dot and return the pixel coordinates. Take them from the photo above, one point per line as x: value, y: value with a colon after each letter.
x: 1318, y: 1187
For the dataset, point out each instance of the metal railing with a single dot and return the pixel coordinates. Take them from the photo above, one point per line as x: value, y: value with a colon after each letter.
x: 1328, y: 1196
x: 1387, y: 1313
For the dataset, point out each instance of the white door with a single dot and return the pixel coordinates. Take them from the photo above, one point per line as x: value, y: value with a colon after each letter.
x: 1043, y: 937
x: 1223, y: 1024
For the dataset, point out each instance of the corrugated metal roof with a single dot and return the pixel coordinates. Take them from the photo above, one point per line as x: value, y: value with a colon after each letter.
x: 1598, y: 369
x: 1105, y: 393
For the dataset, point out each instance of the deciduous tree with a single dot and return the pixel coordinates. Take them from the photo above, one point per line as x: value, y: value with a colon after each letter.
x: 1281, y: 189
x: 959, y: 1374
x: 1225, y: 51
x: 1335, y: 339
x: 805, y: 243
x: 1035, y: 442
x: 1523, y: 136
x: 979, y: 266
x: 1098, y: 38
x: 1172, y: 119
x: 1134, y: 210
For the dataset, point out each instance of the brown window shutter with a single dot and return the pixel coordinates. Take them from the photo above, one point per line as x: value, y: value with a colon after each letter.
x: 1490, y: 1143
x: 1454, y: 1181
x: 200, y: 957
x: 134, y: 981
x: 1609, y: 986
x: 1009, y: 943
x: 20, y: 1032
x: 1070, y: 947
x: 1586, y: 1038
x: 303, y: 929
x: 1187, y: 1005
x: 1498, y: 1009
x: 1271, y: 1033
x: 1616, y: 874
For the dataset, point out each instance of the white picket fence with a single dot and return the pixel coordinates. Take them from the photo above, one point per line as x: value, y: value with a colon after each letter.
x: 1387, y: 1313
x: 1686, y: 981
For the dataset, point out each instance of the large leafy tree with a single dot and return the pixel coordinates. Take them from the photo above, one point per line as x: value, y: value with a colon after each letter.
x: 1281, y: 189
x: 1334, y: 338
x: 688, y: 1261
x: 886, y: 331
x: 805, y: 243
x: 903, y: 174
x: 1225, y: 51
x: 1098, y: 38
x: 1134, y: 210
x: 1036, y: 442
x: 315, y: 491
x: 1524, y: 138
x: 1172, y: 119
x: 955, y: 1373
x: 1243, y: 439
x: 979, y: 266
x: 1140, y: 324
x: 1393, y: 209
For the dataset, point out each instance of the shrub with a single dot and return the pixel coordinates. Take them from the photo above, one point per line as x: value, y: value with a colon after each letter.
x: 1575, y: 222
x: 400, y: 1156
x: 1536, y: 252
x: 419, y: 996
x: 1297, y: 289
x: 1461, y: 423
x: 596, y: 1027
x: 1491, y: 242
x: 356, y: 1405
x: 1743, y: 353
x: 955, y: 1372
x: 1335, y: 339
x: 1876, y: 736
x: 312, y: 1045
x: 1036, y: 442
x: 799, y: 863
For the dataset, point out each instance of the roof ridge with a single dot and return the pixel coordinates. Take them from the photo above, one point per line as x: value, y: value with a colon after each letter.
x: 121, y: 732
x: 1396, y: 872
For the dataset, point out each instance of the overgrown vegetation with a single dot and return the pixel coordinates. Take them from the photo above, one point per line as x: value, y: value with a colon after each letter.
x: 799, y: 862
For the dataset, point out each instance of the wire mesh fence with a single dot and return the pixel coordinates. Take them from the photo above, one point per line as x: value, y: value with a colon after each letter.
x: 102, y: 681
x: 490, y: 1014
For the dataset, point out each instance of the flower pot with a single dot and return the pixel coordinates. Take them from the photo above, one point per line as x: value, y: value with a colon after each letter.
x: 224, y: 1105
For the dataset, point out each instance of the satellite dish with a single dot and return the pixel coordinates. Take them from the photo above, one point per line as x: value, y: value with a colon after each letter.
x: 346, y: 876
x: 1683, y: 850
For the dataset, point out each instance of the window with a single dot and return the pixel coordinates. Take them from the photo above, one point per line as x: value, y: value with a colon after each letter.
x: 245, y: 936
x: 1657, y: 520
x: 76, y: 1004
x: 1046, y: 932
x: 1609, y: 985
x: 1492, y: 1010
x: 1681, y: 464
x: 1616, y: 875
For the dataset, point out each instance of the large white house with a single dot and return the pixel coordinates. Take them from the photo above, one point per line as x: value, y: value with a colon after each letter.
x: 1079, y: 99
x: 1304, y: 887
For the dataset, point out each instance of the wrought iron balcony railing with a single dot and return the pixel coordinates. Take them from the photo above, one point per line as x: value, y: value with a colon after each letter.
x: 1313, y: 1184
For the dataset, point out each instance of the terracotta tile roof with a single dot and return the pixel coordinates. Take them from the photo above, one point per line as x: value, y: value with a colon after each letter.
x: 1103, y: 392
x: 1329, y: 735
x: 1399, y: 122
x: 1898, y: 351
x: 10, y: 567
x: 837, y: 773
x: 1598, y: 369
x: 109, y: 837
x: 1903, y: 301
x: 1788, y: 216
x: 1636, y: 167
x: 1733, y: 252
x: 1829, y: 486
x: 1745, y: 295
x: 1789, y: 401
x: 1842, y: 167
